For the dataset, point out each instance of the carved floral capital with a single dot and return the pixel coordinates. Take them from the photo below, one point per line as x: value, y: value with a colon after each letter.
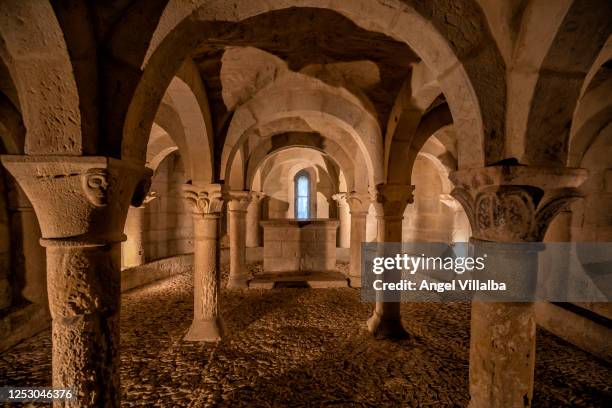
x: 515, y: 203
x: 207, y: 199
x: 359, y: 202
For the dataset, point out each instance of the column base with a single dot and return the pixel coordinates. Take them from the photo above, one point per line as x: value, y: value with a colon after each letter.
x: 355, y: 281
x: 205, y: 330
x: 386, y: 329
x: 239, y: 282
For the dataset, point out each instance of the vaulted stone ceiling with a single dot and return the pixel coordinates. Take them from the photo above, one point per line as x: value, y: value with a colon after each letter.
x: 304, y: 38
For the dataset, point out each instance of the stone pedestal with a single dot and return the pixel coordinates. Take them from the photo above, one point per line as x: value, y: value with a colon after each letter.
x: 509, y: 204
x: 81, y: 204
x: 206, y: 204
x: 299, y: 245
x: 390, y: 203
x: 253, y: 217
x: 132, y: 250
x: 237, y: 204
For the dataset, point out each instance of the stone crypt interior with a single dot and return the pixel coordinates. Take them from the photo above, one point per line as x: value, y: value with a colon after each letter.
x: 185, y: 187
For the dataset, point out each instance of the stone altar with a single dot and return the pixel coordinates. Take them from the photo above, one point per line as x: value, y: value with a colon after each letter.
x: 299, y: 245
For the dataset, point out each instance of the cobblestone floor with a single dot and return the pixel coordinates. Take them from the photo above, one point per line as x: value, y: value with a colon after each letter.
x: 305, y: 348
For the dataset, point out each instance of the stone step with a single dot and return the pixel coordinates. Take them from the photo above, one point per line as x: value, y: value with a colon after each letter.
x: 314, y: 280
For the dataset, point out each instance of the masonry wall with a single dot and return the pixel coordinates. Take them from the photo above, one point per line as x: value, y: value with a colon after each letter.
x: 279, y: 190
x: 168, y: 227
x: 5, y: 250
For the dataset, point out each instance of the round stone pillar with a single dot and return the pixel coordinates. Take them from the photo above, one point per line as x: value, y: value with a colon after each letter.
x: 344, y: 217
x: 206, y: 204
x: 253, y: 217
x: 132, y: 250
x: 237, y: 204
x: 358, y: 203
x: 391, y: 201
x: 509, y: 204
x: 81, y: 230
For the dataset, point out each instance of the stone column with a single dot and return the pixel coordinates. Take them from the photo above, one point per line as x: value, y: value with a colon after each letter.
x: 206, y: 203
x: 359, y: 203
x: 81, y: 204
x: 237, y: 204
x: 391, y: 201
x: 252, y: 219
x: 133, y: 253
x: 509, y: 204
x: 344, y: 231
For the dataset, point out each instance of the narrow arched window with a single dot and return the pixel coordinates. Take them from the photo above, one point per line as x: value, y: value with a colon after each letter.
x: 302, y: 195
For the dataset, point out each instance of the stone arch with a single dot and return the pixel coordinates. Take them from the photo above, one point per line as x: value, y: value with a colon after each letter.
x: 279, y: 143
x: 442, y: 168
x: 593, y: 113
x: 196, y: 124
x: 405, y: 154
x: 12, y: 131
x: 37, y: 59
x: 565, y: 63
x: 416, y: 96
x: 602, y: 61
x: 296, y: 126
x: 159, y: 147
x: 161, y: 156
x: 290, y: 162
x: 169, y: 120
x: 236, y: 180
x: 448, y: 221
x: 324, y: 112
x: 470, y: 71
x: 589, y: 124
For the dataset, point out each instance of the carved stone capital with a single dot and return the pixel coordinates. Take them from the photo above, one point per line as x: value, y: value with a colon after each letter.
x: 207, y: 199
x: 341, y: 199
x: 359, y: 203
x: 392, y: 199
x: 257, y: 196
x: 78, y: 200
x: 238, y: 200
x: 515, y: 203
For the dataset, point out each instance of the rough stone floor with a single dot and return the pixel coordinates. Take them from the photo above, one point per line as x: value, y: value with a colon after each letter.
x: 305, y: 348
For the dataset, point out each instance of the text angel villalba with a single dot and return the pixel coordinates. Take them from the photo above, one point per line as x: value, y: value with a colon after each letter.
x: 412, y: 264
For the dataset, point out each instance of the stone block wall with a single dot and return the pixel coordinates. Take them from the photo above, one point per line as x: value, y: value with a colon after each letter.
x: 168, y: 227
x: 299, y: 245
x: 152, y: 271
